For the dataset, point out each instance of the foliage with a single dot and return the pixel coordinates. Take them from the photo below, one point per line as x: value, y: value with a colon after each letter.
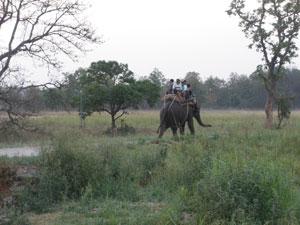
x: 291, y: 85
x: 214, y: 89
x: 14, y: 218
x: 249, y: 192
x: 68, y: 172
x: 37, y: 30
x: 157, y: 78
x: 150, y: 91
x: 64, y: 174
x: 283, y: 109
x: 272, y: 28
x: 238, y: 92
x: 197, y: 85
x: 155, y: 86
x: 136, y: 180
x: 54, y: 99
x: 111, y: 87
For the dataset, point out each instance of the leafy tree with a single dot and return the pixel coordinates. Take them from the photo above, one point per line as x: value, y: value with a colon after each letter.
x: 110, y: 86
x: 54, y: 99
x: 157, y: 77
x: 149, y: 90
x: 194, y: 79
x: 243, y: 91
x: 292, y: 84
x: 283, y: 109
x: 40, y: 30
x: 73, y: 86
x: 273, y: 28
x: 214, y: 87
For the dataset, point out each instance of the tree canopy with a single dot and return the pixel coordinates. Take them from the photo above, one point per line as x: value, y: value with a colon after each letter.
x: 109, y: 86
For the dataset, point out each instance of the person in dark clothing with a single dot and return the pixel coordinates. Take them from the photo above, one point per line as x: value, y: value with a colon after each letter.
x: 191, y: 98
x: 170, y: 87
x: 189, y: 93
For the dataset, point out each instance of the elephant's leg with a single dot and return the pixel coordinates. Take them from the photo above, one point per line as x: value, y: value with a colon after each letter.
x: 174, y: 130
x: 162, y: 130
x: 191, y: 126
x: 182, y: 129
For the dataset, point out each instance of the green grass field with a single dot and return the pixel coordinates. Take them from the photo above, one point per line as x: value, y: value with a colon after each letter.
x: 236, y: 172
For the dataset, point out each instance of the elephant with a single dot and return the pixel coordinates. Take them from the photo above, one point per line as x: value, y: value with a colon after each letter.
x: 175, y: 114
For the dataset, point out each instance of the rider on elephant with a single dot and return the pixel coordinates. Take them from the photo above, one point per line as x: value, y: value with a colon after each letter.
x: 176, y: 112
x: 177, y: 87
x: 170, y: 87
x: 189, y: 93
x: 184, y: 85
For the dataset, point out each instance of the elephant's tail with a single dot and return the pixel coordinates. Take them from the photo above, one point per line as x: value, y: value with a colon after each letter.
x: 199, y: 120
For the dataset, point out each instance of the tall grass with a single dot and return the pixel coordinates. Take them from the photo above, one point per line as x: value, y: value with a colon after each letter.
x: 233, y: 173
x: 247, y: 192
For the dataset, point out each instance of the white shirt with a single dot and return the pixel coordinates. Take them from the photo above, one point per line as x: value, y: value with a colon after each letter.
x: 177, y: 87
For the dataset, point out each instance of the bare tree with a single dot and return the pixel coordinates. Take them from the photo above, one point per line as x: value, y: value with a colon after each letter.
x: 40, y: 30
x: 273, y: 28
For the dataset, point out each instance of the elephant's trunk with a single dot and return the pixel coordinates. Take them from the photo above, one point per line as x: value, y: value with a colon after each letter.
x: 198, y: 118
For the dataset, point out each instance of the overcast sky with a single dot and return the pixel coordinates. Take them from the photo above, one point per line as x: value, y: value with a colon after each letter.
x: 176, y: 36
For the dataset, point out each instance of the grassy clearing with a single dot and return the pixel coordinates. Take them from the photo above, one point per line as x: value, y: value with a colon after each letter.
x: 233, y: 173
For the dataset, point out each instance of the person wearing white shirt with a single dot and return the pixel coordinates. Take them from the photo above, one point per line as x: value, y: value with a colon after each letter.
x: 177, y: 87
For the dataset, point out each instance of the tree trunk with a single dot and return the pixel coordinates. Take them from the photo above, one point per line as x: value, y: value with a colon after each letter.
x: 113, y: 121
x: 269, y: 105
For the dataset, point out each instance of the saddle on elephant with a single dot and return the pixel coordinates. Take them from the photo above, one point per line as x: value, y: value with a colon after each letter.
x: 173, y: 97
x: 178, y: 98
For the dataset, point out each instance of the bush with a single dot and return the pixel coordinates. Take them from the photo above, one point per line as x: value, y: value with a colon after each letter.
x: 73, y: 169
x: 64, y: 174
x: 68, y: 168
x: 252, y: 193
x: 185, y: 165
x: 13, y: 217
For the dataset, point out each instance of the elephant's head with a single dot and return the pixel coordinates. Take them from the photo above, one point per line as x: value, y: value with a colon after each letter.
x: 196, y: 114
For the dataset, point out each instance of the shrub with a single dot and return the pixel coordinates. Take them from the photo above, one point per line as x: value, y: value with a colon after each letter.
x: 251, y: 193
x: 186, y: 164
x: 69, y: 169
x: 73, y: 169
x: 64, y: 173
x: 13, y: 217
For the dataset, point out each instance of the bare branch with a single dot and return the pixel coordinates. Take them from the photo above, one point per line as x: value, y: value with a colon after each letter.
x: 41, y: 30
x: 5, y: 11
x: 122, y: 114
x: 50, y: 26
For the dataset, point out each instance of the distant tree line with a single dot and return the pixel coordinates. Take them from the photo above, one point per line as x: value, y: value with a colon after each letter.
x: 242, y: 91
x: 237, y: 92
